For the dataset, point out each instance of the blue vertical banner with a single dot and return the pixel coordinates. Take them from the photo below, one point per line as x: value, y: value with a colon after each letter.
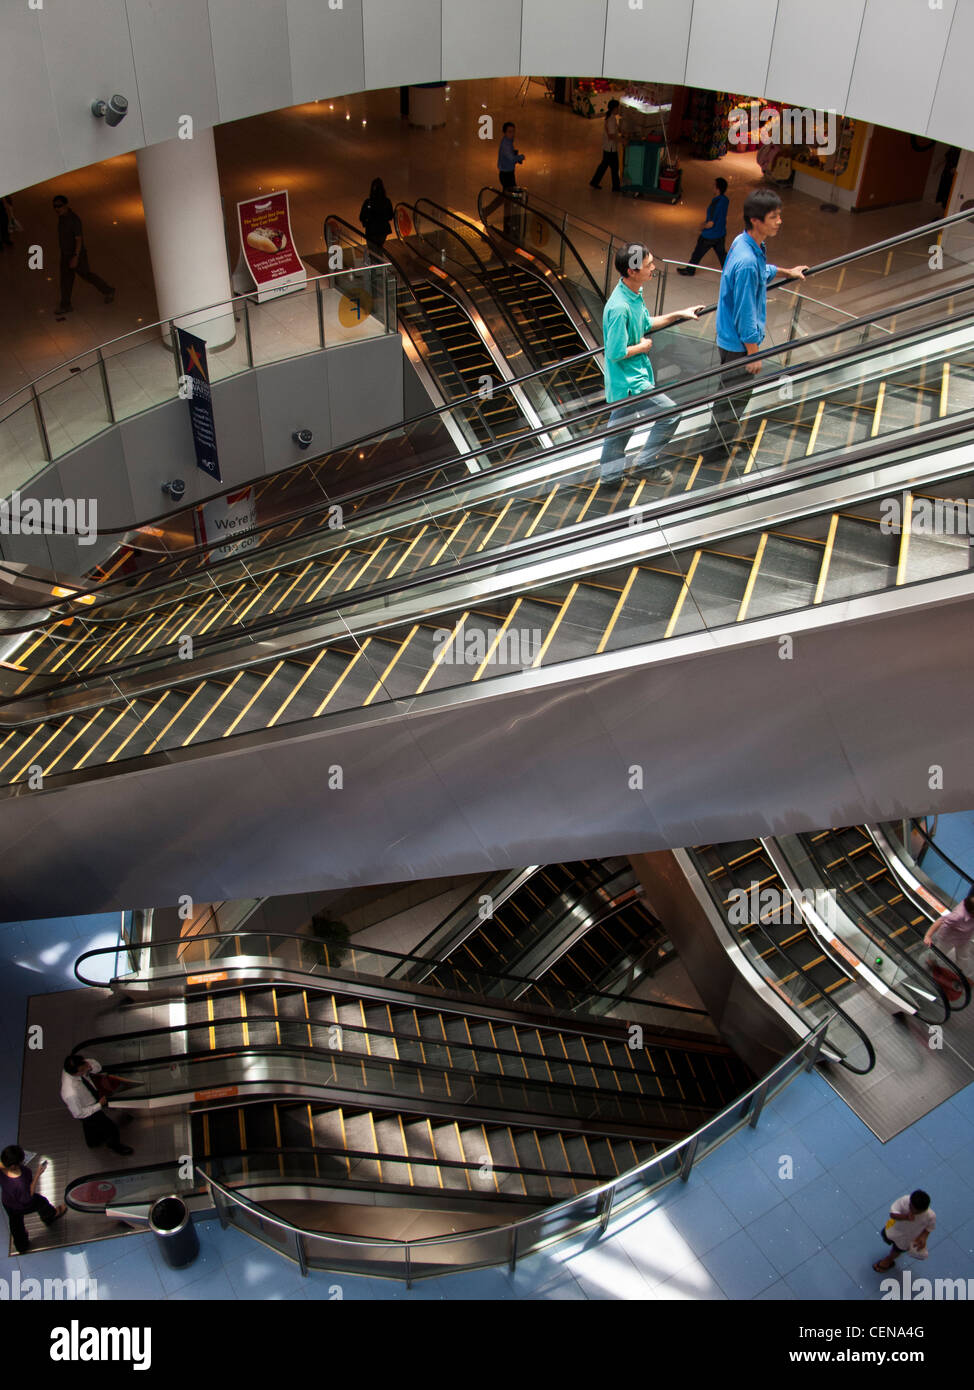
x: 194, y: 386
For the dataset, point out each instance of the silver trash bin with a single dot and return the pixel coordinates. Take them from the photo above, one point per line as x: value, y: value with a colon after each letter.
x: 171, y: 1222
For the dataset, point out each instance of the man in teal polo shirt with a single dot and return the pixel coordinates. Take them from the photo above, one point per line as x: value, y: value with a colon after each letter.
x: 626, y: 325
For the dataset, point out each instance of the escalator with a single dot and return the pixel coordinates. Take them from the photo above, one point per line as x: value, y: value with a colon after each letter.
x: 312, y: 574
x: 659, y: 594
x: 775, y: 937
x: 850, y: 862
x: 452, y: 347
x: 542, y: 905
x: 625, y: 947
x: 523, y: 299
x: 358, y: 1084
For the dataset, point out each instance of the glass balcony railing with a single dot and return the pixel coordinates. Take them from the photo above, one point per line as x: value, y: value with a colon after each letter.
x: 89, y: 393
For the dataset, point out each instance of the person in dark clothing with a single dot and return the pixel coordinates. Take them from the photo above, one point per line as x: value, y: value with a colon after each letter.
x: 86, y: 1103
x: 6, y: 223
x: 376, y: 216
x: 713, y: 233
x: 74, y: 256
x: 611, y: 135
x: 508, y: 158
x: 18, y: 1185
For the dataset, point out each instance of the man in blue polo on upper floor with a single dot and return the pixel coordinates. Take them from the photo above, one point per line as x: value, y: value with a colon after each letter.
x: 742, y: 307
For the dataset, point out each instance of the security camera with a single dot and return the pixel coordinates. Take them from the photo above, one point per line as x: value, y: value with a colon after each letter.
x: 113, y: 111
x: 303, y: 438
x: 174, y: 489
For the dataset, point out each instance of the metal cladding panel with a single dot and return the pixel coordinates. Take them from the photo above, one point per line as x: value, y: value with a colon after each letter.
x: 952, y: 116
x: 31, y: 146
x: 732, y: 742
x: 811, y: 63
x: 174, y: 65
x: 730, y: 40
x: 327, y: 48
x: 649, y: 43
x: 561, y: 37
x: 402, y: 42
x: 481, y: 40
x: 251, y: 56
x: 898, y: 62
x: 81, y: 72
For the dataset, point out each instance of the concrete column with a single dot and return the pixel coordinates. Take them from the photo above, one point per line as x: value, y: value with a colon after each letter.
x: 187, y: 244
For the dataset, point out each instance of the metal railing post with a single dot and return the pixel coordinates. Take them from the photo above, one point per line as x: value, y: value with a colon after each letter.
x: 319, y: 295
x: 244, y: 304
x: 42, y: 428
x: 757, y: 1105
x: 302, y: 1257
x: 816, y: 1050
x: 512, y: 1262
x: 409, y: 1270
x: 105, y: 387
x: 688, y: 1157
x: 605, y: 1208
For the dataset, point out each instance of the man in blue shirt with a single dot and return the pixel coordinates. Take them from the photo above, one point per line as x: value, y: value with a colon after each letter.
x: 626, y: 325
x: 713, y: 232
x: 508, y: 158
x: 743, y: 302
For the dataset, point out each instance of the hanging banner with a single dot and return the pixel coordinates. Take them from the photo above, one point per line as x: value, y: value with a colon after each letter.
x: 230, y: 519
x: 267, y: 246
x: 194, y: 386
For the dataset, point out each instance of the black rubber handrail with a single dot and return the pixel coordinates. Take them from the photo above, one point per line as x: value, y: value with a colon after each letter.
x: 384, y: 982
x: 928, y: 839
x: 536, y: 212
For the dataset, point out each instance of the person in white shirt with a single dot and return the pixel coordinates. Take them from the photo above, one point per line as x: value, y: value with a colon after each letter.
x: 82, y: 1097
x: 611, y: 136
x: 911, y: 1219
x: 954, y: 932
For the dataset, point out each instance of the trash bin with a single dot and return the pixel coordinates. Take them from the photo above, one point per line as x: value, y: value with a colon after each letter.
x: 171, y: 1220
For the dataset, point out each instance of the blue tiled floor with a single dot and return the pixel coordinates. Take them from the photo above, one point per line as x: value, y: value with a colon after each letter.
x: 739, y: 1229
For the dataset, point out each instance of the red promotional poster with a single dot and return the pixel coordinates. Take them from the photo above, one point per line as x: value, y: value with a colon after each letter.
x: 267, y: 245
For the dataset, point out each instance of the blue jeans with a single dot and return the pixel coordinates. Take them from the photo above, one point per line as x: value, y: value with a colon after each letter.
x: 636, y: 410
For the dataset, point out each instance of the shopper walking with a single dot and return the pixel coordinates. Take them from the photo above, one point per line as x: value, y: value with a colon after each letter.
x: 8, y: 223
x: 376, y: 217
x: 911, y: 1219
x: 83, y: 1097
x: 18, y: 1185
x: 508, y: 158
x: 74, y: 256
x: 713, y: 233
x: 611, y: 139
x: 626, y: 325
x: 742, y: 305
x: 954, y: 932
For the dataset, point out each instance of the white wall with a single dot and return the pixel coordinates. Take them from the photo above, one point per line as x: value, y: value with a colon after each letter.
x: 891, y: 62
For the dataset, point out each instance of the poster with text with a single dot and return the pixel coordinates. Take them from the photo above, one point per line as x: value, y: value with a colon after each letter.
x: 229, y: 519
x: 267, y: 245
x: 194, y: 386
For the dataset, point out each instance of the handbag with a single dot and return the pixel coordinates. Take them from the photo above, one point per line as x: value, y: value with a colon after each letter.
x: 105, y: 1085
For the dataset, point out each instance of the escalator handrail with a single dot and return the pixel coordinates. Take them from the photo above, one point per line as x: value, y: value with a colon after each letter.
x: 474, y: 396
x: 536, y: 212
x: 928, y: 839
x: 829, y: 1002
x: 586, y: 532
x: 664, y: 506
x: 892, y: 946
x: 203, y: 968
